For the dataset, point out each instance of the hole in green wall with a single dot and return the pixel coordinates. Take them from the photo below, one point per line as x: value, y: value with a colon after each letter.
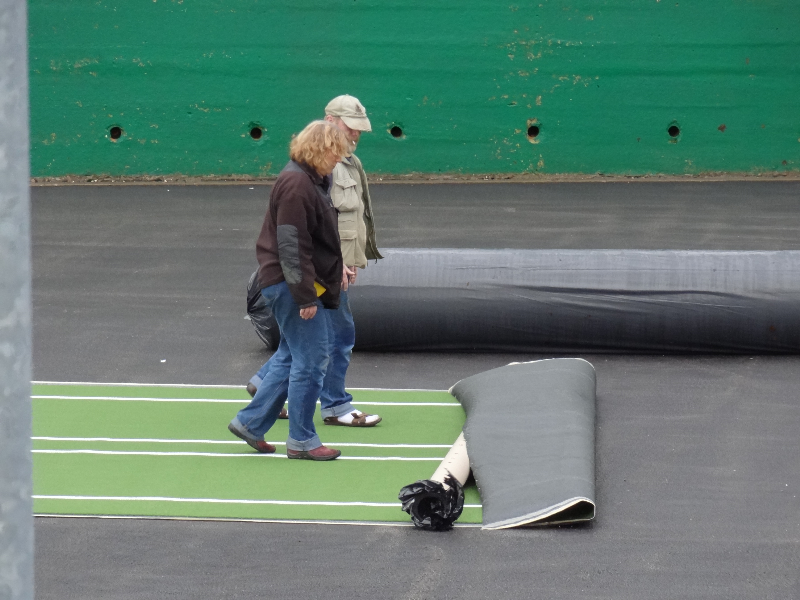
x: 256, y: 133
x: 115, y: 132
x: 533, y: 130
x: 674, y: 131
x: 396, y: 131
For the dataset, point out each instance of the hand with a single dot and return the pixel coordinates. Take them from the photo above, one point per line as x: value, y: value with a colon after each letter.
x: 348, y: 276
x: 354, y: 275
x: 308, y: 312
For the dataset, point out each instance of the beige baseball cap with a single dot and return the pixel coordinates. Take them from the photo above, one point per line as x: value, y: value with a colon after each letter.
x: 349, y: 110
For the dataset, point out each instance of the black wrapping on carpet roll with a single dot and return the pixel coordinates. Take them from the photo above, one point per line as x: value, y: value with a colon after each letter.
x: 669, y: 301
x: 431, y: 505
x: 261, y: 316
x: 530, y: 434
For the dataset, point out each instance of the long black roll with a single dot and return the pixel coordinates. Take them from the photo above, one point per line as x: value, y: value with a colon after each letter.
x: 579, y: 301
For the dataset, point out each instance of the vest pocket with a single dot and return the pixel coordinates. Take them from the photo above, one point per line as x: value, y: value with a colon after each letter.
x: 348, y: 229
x: 347, y: 237
x: 344, y: 194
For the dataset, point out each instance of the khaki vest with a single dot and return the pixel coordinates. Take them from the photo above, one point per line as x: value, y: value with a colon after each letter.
x: 350, y: 196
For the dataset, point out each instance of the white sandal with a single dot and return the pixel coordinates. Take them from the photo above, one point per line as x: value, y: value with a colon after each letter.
x: 359, y: 419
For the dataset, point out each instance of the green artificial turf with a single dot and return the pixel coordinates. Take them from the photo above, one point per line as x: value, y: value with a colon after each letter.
x: 202, y: 471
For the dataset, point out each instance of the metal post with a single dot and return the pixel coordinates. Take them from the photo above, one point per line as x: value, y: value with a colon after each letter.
x: 16, y: 520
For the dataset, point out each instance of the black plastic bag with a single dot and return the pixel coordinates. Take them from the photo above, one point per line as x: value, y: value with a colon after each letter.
x: 261, y: 316
x: 432, y: 505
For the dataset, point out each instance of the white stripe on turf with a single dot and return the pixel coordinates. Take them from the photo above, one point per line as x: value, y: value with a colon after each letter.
x: 224, y: 455
x: 239, y: 442
x: 228, y: 401
x: 243, y: 520
x: 177, y: 385
x: 216, y: 500
x: 227, y: 501
x: 194, y: 385
x: 140, y: 399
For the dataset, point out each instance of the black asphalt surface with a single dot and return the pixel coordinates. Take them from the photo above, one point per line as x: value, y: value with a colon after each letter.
x: 698, y: 458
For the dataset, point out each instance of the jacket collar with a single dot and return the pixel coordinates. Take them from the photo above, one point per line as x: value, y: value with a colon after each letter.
x: 312, y: 173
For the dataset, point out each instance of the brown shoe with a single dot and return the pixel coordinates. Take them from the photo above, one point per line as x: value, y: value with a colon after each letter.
x: 259, y: 445
x: 321, y: 453
x: 251, y: 389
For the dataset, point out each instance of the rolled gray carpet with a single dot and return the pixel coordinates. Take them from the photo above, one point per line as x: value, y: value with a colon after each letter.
x: 579, y: 301
x: 530, y: 434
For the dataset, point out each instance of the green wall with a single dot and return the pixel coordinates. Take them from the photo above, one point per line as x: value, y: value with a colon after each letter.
x: 186, y: 81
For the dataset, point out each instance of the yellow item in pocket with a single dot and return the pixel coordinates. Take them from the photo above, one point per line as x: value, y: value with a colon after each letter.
x: 320, y: 289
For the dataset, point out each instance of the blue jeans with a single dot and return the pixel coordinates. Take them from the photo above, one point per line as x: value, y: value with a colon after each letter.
x: 298, y: 372
x: 342, y: 336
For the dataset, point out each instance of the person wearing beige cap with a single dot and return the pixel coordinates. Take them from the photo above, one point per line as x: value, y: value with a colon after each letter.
x: 350, y: 195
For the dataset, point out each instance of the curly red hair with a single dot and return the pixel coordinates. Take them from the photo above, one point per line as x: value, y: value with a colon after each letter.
x: 317, y: 139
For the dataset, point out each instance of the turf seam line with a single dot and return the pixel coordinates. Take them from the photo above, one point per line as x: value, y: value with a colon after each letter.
x: 228, y: 501
x: 195, y: 385
x: 221, y: 400
x: 237, y: 442
x: 231, y: 455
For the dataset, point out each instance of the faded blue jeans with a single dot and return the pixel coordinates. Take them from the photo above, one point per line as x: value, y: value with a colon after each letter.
x: 298, y: 372
x: 335, y: 400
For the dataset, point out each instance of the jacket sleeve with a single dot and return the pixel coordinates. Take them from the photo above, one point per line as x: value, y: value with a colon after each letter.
x: 294, y: 243
x: 371, y: 251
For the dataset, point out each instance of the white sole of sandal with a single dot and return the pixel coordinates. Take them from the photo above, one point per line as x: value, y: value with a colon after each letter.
x: 354, y: 423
